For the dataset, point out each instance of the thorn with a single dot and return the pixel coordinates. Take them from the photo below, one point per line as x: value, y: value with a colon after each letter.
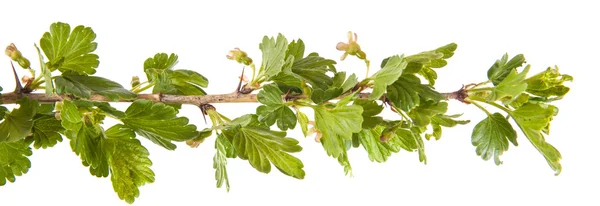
x: 237, y: 91
x: 18, y: 86
x: 203, y: 109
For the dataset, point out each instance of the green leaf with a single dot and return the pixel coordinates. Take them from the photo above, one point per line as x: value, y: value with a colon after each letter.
x: 312, y: 69
x: 548, y: 83
x: 70, y: 50
x: 46, y: 131
x: 422, y: 114
x: 104, y: 107
x: 370, y: 111
x: 439, y: 120
x: 319, y: 96
x: 424, y: 62
x: 491, y: 137
x: 18, y: 123
x: 46, y: 73
x: 85, y: 138
x: 337, y: 125
x: 261, y: 147
x: 84, y: 86
x: 502, y: 68
x: 159, y: 70
x: 185, y: 82
x: 343, y: 160
x: 273, y: 55
x: 285, y: 117
x: 407, y: 91
x: 223, y: 147
x: 13, y: 160
x: 303, y: 121
x: 129, y: 162
x: 387, y: 75
x: 274, y: 108
x: 161, y: 61
x: 270, y: 95
x: 416, y: 134
x: 408, y: 140
x: 378, y: 150
x: 159, y: 123
x: 296, y: 49
x: 532, y: 120
x: 511, y: 86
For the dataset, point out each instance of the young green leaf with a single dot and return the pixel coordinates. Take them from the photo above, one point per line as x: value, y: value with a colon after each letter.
x: 223, y: 147
x: 337, y: 125
x: 70, y: 50
x: 159, y: 123
x: 422, y: 114
x: 370, y: 111
x: 378, y: 151
x: 45, y: 73
x: 303, y: 121
x: 180, y: 81
x: 532, y: 120
x: 343, y: 160
x: 439, y: 120
x: 161, y: 61
x: 159, y: 70
x: 502, y: 68
x: 18, y: 123
x: 104, y: 108
x: 85, y: 138
x: 420, y: 146
x: 312, y: 69
x: 128, y: 161
x: 387, y: 76
x: 45, y: 132
x: 84, y: 86
x: 407, y: 91
x: 319, y: 96
x: 511, y: 86
x: 13, y: 160
x: 261, y: 147
x: 491, y: 137
x: 548, y: 83
x: 274, y: 108
x: 273, y: 55
x: 296, y: 49
x: 409, y: 141
x: 424, y: 62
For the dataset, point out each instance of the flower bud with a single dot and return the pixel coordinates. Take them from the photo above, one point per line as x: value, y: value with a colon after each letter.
x: 239, y: 56
x: 14, y: 54
x: 135, y: 81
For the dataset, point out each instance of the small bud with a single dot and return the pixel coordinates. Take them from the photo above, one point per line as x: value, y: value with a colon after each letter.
x: 193, y: 143
x: 14, y: 54
x: 26, y: 80
x: 239, y: 56
x: 135, y: 81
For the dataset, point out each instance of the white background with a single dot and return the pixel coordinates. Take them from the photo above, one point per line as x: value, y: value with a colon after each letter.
x: 548, y: 33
